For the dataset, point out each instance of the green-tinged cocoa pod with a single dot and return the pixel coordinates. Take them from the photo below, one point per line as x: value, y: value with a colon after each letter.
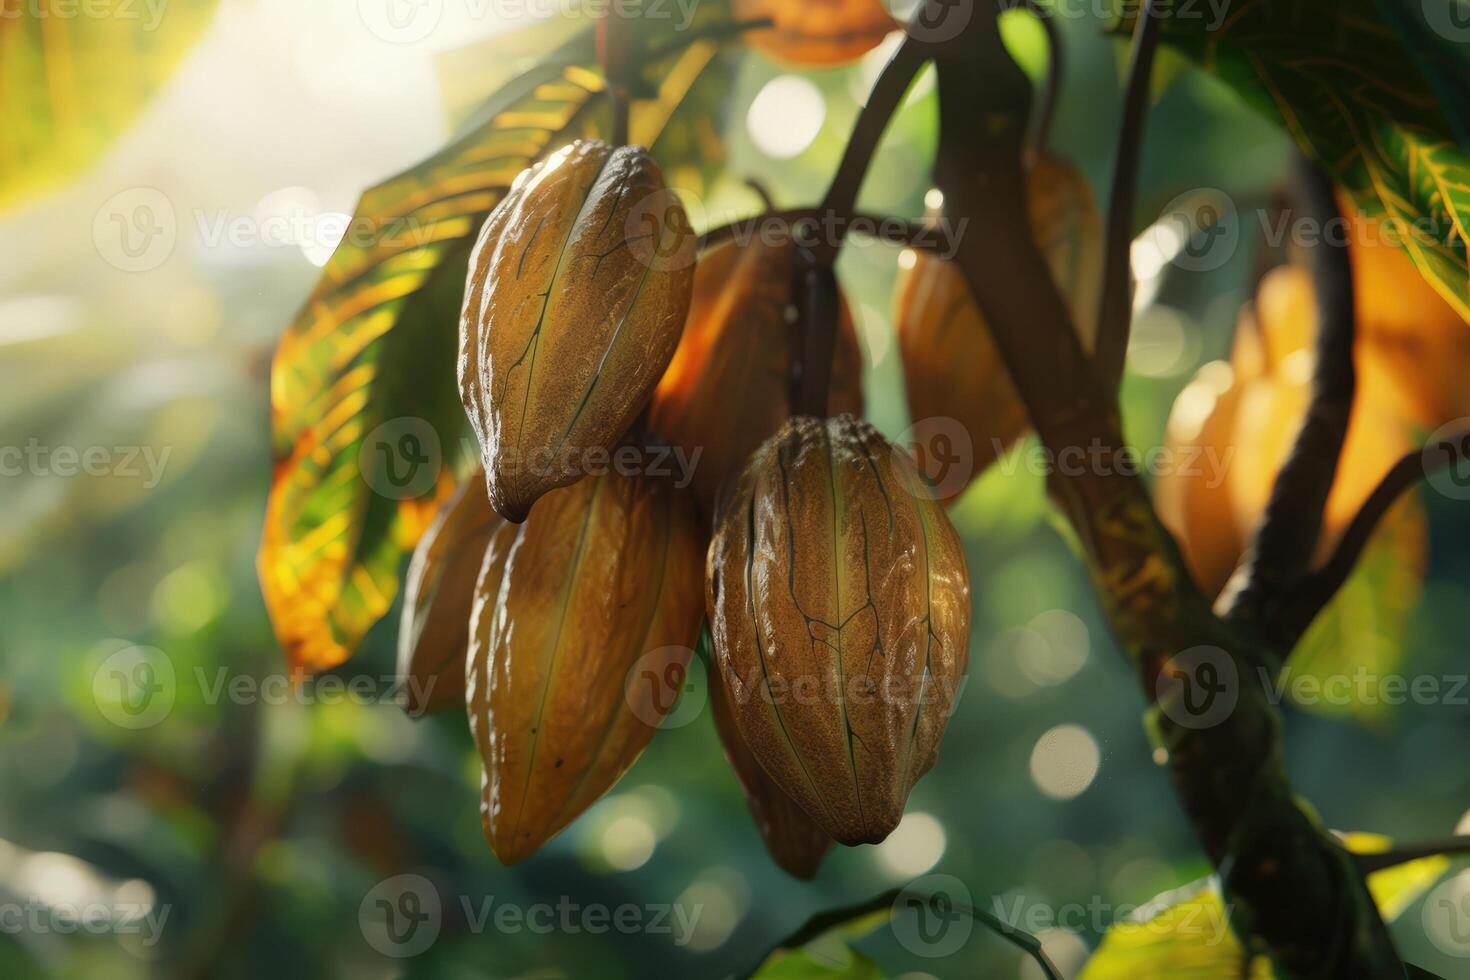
x: 438, y: 597
x: 839, y: 605
x: 952, y: 368
x: 725, y: 391
x: 602, y: 584
x: 795, y: 841
x: 577, y: 291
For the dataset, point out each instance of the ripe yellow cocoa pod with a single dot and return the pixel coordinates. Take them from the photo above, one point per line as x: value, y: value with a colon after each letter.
x: 577, y: 292
x: 602, y: 578
x: 839, y: 605
x: 795, y: 841
x: 952, y: 368
x: 725, y: 390
x: 439, y: 595
x: 817, y: 32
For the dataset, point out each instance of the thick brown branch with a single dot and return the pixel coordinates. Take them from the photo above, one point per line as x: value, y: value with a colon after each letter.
x: 1369, y: 863
x: 1115, y: 313
x: 1287, y: 537
x: 1295, y: 892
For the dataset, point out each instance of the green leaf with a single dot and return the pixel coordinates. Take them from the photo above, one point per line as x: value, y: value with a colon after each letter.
x: 1358, y: 642
x: 1186, y: 932
x: 1348, y: 90
x: 368, y: 428
x: 69, y: 85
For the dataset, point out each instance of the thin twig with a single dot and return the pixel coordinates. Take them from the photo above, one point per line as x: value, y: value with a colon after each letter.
x: 1287, y: 537
x: 1055, y: 67
x: 883, y: 101
x: 824, y: 922
x: 1301, y: 605
x: 1369, y: 863
x: 1115, y: 311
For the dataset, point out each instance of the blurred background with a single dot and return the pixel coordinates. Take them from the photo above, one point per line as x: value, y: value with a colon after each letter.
x: 237, y: 828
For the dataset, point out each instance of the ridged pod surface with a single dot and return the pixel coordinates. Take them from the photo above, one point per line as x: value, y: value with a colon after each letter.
x: 952, y: 368
x: 439, y: 595
x: 725, y: 390
x: 602, y: 577
x: 794, y: 840
x: 577, y: 291
x: 839, y: 605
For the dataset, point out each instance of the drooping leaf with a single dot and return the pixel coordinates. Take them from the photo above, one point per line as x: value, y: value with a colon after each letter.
x: 1369, y: 117
x: 69, y: 85
x: 366, y: 415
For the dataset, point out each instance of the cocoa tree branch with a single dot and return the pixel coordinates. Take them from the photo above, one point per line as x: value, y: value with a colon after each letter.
x: 1287, y: 537
x: 1369, y: 863
x: 888, y: 92
x: 833, y: 228
x: 1115, y: 311
x: 1295, y: 891
x: 1307, y: 598
x: 824, y: 922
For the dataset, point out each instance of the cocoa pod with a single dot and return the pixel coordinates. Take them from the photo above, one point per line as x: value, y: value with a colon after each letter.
x: 725, y: 391
x: 438, y: 597
x: 577, y: 292
x: 602, y: 577
x: 952, y: 368
x: 816, y: 32
x: 839, y: 605
x: 793, y: 839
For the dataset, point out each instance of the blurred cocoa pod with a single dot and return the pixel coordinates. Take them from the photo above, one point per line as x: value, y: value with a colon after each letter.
x: 725, y: 390
x: 603, y: 576
x: 794, y: 840
x: 952, y: 368
x: 839, y: 605
x: 1419, y: 338
x: 816, y: 32
x: 1233, y: 426
x: 438, y: 596
x: 577, y: 292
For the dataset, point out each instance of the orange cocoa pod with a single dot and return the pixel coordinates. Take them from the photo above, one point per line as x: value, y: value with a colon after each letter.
x: 577, y: 292
x: 839, y: 605
x: 438, y: 597
x: 603, y: 577
x: 793, y: 839
x: 816, y: 32
x: 725, y: 390
x: 952, y: 367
